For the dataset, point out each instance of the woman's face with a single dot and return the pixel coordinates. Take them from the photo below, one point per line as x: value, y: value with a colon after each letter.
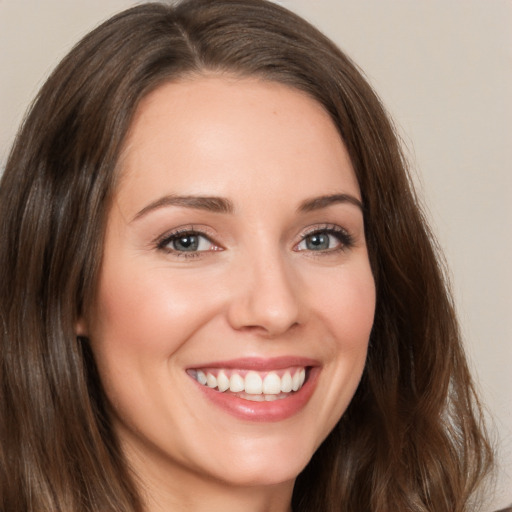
x: 234, y: 267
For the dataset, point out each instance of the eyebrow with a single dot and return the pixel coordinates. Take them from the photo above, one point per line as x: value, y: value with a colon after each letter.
x: 210, y: 204
x: 317, y: 203
x: 223, y: 205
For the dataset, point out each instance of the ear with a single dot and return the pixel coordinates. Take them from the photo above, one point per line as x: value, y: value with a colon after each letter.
x: 81, y: 327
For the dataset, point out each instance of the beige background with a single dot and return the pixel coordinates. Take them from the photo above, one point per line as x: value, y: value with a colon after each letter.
x: 444, y: 70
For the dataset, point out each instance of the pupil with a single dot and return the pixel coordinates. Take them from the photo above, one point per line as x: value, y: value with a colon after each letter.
x: 186, y: 243
x: 318, y: 241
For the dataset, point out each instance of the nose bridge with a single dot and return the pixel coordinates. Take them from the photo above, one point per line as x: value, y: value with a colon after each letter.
x: 265, y: 295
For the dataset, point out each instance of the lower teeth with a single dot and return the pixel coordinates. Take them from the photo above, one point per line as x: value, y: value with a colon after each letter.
x: 262, y: 398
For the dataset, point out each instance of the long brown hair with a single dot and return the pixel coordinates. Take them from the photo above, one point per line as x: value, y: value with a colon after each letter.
x: 412, y: 437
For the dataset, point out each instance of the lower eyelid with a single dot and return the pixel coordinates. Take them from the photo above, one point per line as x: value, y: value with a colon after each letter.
x: 165, y: 243
x: 344, y: 238
x: 338, y: 244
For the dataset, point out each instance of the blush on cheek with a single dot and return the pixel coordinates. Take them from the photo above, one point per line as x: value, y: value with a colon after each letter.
x: 349, y: 310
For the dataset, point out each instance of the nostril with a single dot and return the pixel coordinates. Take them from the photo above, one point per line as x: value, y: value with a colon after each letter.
x: 264, y: 298
x: 266, y: 331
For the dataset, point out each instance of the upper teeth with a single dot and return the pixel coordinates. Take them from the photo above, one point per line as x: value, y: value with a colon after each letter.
x: 253, y: 383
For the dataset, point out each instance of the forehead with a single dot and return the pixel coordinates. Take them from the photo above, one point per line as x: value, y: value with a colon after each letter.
x: 219, y: 131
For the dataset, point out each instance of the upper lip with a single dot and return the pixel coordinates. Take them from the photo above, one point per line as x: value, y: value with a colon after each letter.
x: 260, y: 363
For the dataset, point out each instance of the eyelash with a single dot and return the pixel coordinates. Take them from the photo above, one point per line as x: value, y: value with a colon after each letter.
x: 345, y: 239
x: 166, y: 240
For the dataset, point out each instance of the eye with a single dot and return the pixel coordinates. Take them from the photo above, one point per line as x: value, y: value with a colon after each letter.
x: 320, y: 242
x: 190, y: 242
x: 186, y: 243
x: 325, y: 240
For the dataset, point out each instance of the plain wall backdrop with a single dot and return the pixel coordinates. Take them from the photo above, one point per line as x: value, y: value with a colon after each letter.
x: 443, y: 68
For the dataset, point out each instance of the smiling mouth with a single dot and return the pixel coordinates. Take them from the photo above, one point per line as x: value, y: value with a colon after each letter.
x: 253, y: 385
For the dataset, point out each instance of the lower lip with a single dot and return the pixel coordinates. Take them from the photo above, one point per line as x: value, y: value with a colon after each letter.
x: 276, y: 410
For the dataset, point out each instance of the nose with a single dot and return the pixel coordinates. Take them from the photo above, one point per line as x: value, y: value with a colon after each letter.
x: 265, y: 298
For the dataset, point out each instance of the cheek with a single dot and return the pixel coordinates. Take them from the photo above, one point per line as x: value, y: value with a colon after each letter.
x: 343, y: 313
x: 153, y: 311
x: 346, y: 305
x: 141, y: 321
x: 346, y: 309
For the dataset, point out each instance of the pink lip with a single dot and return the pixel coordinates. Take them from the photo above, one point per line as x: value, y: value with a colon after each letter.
x: 277, y: 410
x: 261, y: 364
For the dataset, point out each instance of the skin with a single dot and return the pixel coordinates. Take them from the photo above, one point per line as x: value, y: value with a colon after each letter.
x: 255, y: 288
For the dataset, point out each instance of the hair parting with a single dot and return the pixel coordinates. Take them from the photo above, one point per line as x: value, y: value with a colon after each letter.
x: 412, y: 438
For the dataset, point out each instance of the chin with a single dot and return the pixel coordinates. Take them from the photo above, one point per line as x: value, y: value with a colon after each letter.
x: 266, y: 466
x: 263, y: 476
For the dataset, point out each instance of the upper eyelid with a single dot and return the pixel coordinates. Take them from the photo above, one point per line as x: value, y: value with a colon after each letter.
x: 347, y: 238
x: 323, y: 227
x: 188, y: 228
x: 164, y: 239
x: 213, y: 236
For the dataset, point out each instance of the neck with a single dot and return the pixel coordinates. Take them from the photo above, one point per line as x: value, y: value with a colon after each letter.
x: 218, y: 498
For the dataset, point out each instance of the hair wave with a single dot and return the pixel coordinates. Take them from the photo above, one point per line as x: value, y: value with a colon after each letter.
x: 412, y: 438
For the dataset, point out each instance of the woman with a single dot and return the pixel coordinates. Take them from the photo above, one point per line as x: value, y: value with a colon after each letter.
x: 217, y: 287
